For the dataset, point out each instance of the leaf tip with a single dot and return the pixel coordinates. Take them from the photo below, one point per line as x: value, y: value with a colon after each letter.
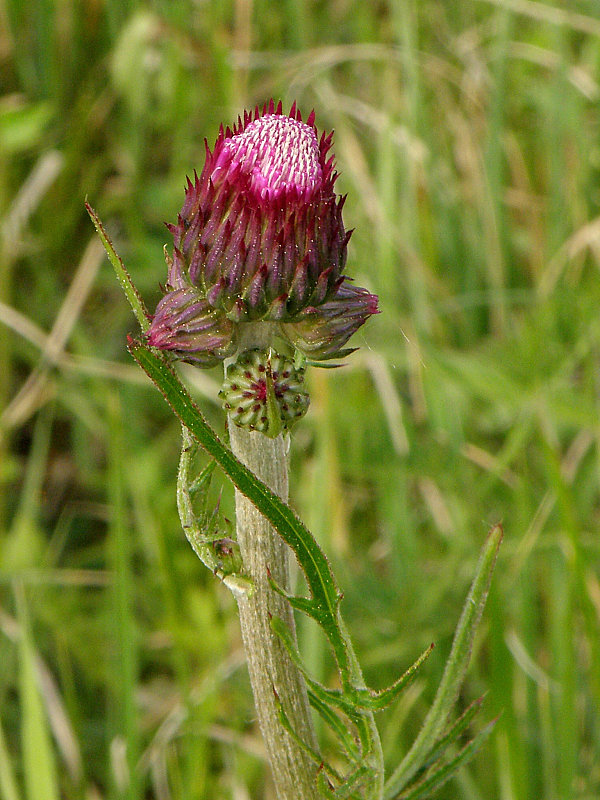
x: 92, y: 213
x: 496, y: 533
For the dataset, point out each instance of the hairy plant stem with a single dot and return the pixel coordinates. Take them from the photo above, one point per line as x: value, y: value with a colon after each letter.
x: 272, y: 674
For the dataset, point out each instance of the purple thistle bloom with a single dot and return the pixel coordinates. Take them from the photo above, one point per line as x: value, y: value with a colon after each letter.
x: 261, y: 237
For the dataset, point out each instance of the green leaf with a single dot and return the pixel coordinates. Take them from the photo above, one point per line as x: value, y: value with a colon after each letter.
x: 330, y: 717
x: 345, y: 700
x: 131, y: 293
x: 203, y: 528
x: 310, y: 751
x: 348, y: 784
x: 307, y: 605
x: 333, y: 697
x: 454, y: 731
x: 438, y: 776
x: 454, y: 671
x: 377, y: 701
x: 357, y: 780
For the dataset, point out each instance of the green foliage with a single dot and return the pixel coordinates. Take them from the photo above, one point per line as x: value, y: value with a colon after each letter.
x: 323, y: 606
x: 466, y: 139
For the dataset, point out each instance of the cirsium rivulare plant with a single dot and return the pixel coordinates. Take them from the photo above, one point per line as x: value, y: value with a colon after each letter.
x: 256, y: 280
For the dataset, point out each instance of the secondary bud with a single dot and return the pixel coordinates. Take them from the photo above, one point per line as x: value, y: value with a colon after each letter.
x: 263, y: 391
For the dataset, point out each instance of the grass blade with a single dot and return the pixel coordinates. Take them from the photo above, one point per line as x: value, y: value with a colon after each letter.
x: 8, y: 783
x: 122, y: 619
x: 38, y: 756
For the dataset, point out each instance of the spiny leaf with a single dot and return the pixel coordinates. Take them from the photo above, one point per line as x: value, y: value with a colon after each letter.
x: 310, y: 751
x: 438, y: 776
x: 359, y: 698
x: 307, y: 605
x: 454, y: 731
x: 357, y: 780
x: 347, y: 785
x: 337, y: 725
x: 448, y: 739
x: 377, y: 701
x: 334, y: 697
x: 345, y: 699
x: 324, y: 785
x: 454, y: 672
x: 131, y: 293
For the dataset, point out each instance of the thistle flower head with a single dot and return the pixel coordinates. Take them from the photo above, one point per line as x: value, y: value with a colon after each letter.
x: 261, y: 237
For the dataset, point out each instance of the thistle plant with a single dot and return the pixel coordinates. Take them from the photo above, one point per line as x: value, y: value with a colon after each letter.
x: 256, y: 281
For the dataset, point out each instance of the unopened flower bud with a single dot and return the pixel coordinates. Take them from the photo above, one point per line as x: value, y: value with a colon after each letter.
x: 261, y: 237
x: 264, y: 392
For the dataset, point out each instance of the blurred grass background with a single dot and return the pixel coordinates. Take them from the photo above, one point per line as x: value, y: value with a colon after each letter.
x: 467, y: 137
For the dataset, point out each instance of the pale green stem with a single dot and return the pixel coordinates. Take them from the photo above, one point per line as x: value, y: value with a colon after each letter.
x: 272, y: 674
